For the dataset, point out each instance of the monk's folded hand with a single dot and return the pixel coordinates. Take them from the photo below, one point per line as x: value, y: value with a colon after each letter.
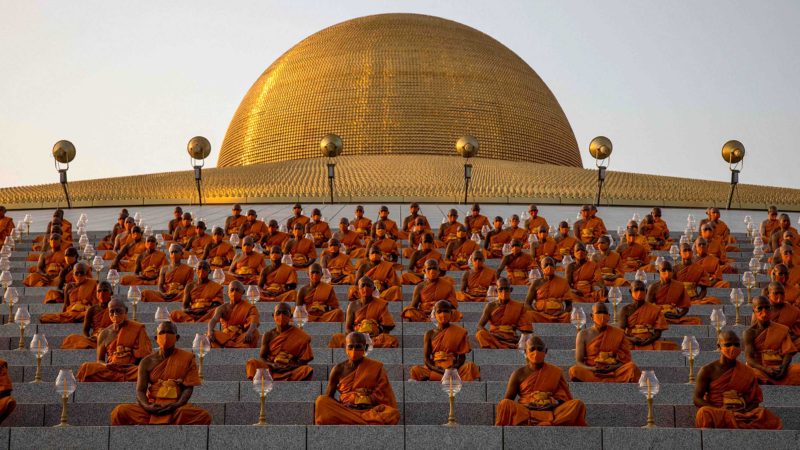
x: 248, y: 337
x: 540, y: 407
x: 779, y: 372
x: 167, y: 409
x: 152, y: 408
x: 671, y: 315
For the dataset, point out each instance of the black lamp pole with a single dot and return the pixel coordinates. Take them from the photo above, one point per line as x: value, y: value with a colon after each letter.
x: 467, y: 177
x: 331, y: 176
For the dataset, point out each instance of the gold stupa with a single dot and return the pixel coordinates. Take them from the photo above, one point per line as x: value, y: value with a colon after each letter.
x: 399, y: 84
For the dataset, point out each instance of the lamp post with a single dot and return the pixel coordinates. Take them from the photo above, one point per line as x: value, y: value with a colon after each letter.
x: 600, y: 148
x: 690, y: 348
x: 65, y: 386
x: 451, y: 385
x: 331, y: 146
x: 649, y: 387
x: 467, y: 146
x: 39, y: 347
x: 198, y: 148
x: 733, y: 154
x: 63, y: 154
x: 201, y: 346
x: 262, y: 384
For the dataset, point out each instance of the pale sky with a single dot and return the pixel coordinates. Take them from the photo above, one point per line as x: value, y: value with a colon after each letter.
x: 130, y: 82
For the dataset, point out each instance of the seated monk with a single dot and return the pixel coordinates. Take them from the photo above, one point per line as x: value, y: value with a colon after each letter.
x: 164, y: 386
x: 661, y: 225
x: 564, y: 242
x: 235, y: 221
x: 644, y: 322
x: 172, y: 279
x: 610, y: 263
x: 603, y: 352
x: 253, y: 228
x: 505, y: 318
x: 769, y: 225
x: 710, y: 264
x: 516, y: 264
x: 544, y: 396
x: 197, y: 244
x: 459, y: 250
x: 549, y: 298
x: 633, y: 255
x: 769, y: 348
x: 670, y: 295
x: 78, y: 297
x: 122, y: 238
x: 38, y: 249
x: 589, y: 228
x: 496, y: 238
x: 301, y: 249
x: 368, y: 315
x: 239, y: 321
x: 362, y: 225
x: 120, y: 347
x: 319, y: 298
x: 776, y: 238
x: 695, y: 279
x: 95, y: 320
x: 412, y: 219
x: 656, y: 234
x: 475, y: 221
x: 785, y: 252
x: 476, y: 281
x: 319, y: 230
x: 534, y: 222
x: 172, y: 225
x: 727, y: 393
x: 7, y: 403
x: 387, y: 245
x: 445, y: 347
x: 516, y: 231
x: 783, y: 313
x: 148, y: 265
x: 200, y: 297
x: 6, y: 226
x: 383, y: 275
x: 297, y: 217
x: 449, y: 229
x: 185, y: 230
x: 338, y: 264
x: 63, y: 224
x: 543, y: 246
x: 366, y: 396
x: 584, y: 277
x: 274, y: 236
x: 49, y: 267
x: 247, y: 265
x: 427, y: 293
x: 721, y: 229
x: 277, y: 281
x: 419, y: 259
x: 415, y: 237
x: 389, y: 225
x: 351, y: 240
x: 780, y: 274
x: 218, y: 253
x: 64, y: 277
x: 285, y: 350
x: 716, y: 248
x: 125, y: 261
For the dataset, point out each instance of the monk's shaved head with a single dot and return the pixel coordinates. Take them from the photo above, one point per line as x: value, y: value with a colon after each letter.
x: 315, y: 268
x: 548, y: 261
x: 104, y: 286
x: 167, y: 327
x: 604, y: 239
x: 431, y: 264
x: 334, y: 242
x: 117, y: 303
x: 665, y: 266
x: 776, y: 287
x: 203, y: 265
x: 503, y: 282
x: 247, y: 241
x: 599, y: 308
x: 478, y: 255
x: 760, y: 301
x: 579, y: 247
x: 536, y: 343
x: 81, y: 267
x: 275, y: 249
x: 356, y: 338
x: 728, y: 337
x: 375, y: 249
x: 443, y: 306
x: 237, y: 286
x: 282, y: 307
x: 366, y: 281
x: 175, y: 248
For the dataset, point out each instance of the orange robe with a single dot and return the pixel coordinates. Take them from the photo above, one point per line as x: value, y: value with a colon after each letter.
x: 247, y: 269
x: 167, y: 380
x: 611, y: 268
x: 127, y: 263
x: 609, y: 347
x: 202, y: 296
x: 123, y: 354
x: 221, y: 255
x: 53, y: 263
x: 57, y: 295
x: 302, y: 252
x: 183, y: 234
x: 351, y: 240
x: 672, y: 296
x: 431, y: 293
x: 712, y: 267
x: 564, y: 246
x: 548, y: 306
x: 533, y: 224
x: 459, y: 257
x: 198, y: 245
x: 737, y: 385
x: 788, y: 316
x: 367, y: 384
x: 363, y: 226
x: 544, y: 386
x: 448, y: 232
x: 369, y: 319
x: 274, y: 288
x: 415, y: 276
x: 233, y: 224
x: 391, y: 228
x: 386, y: 281
x: 278, y: 238
x: 292, y: 344
x: 342, y: 270
x: 320, y: 231
x: 321, y: 303
x: 446, y: 345
x: 175, y: 281
x: 301, y: 219
x: 643, y: 322
x: 6, y: 225
x: 633, y: 256
x: 477, y: 285
x: 496, y: 241
x: 79, y: 298
x: 7, y: 402
x: 100, y: 320
x: 504, y: 322
x: 387, y: 246
x: 589, y: 230
x: 151, y: 266
x: 546, y: 248
x: 693, y: 275
x: 771, y: 346
x: 517, y: 268
x: 243, y: 317
x: 123, y: 238
x: 585, y: 280
x: 475, y: 224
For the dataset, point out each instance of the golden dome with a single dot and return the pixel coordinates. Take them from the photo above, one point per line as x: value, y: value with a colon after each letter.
x: 399, y: 84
